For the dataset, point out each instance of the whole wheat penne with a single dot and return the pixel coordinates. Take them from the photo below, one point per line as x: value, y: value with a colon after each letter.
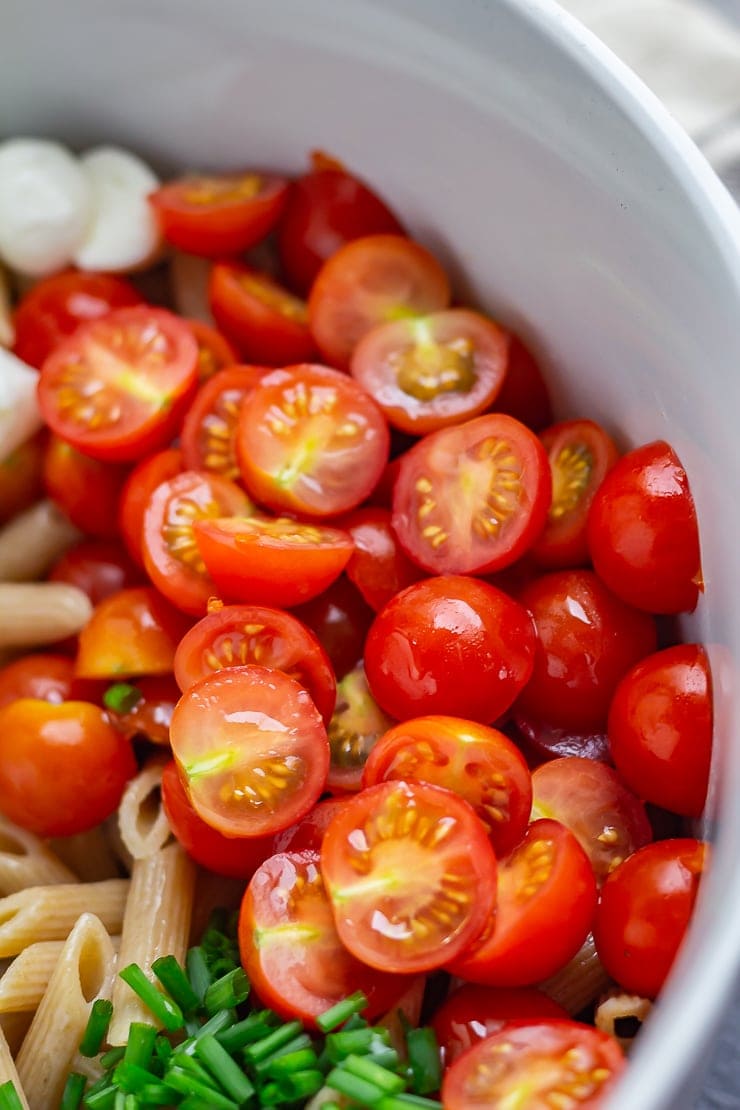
x: 14, y: 1028
x: 89, y: 855
x: 622, y: 1015
x: 8, y: 1070
x: 41, y: 613
x: 142, y: 821
x: 49, y: 912
x: 84, y: 971
x: 7, y: 331
x: 32, y: 542
x: 25, y: 860
x: 23, y: 983
x: 581, y: 981
x: 157, y: 923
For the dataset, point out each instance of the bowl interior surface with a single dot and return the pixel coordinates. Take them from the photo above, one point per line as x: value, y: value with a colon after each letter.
x: 563, y: 200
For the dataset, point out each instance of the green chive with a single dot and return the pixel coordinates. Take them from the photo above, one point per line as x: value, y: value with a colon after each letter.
x: 253, y: 1028
x: 155, y: 1095
x: 384, y: 1055
x: 295, y: 1044
x: 270, y: 1095
x: 184, y: 1083
x: 122, y: 698
x: 9, y: 1097
x: 183, y: 1062
x: 355, y: 1022
x: 198, y: 973
x: 365, y: 1068
x: 219, y: 1023
x: 289, y: 1062
x: 343, y: 1010
x: 330, y: 1106
x: 221, y: 1066
x: 260, y: 1050
x: 176, y: 983
x: 230, y: 990
x: 362, y: 1091
x: 131, y: 1078
x: 406, y: 1102
x: 300, y: 1085
x: 73, y: 1091
x: 424, y: 1061
x: 112, y: 1057
x: 140, y: 1044
x: 164, y: 1009
x: 340, y: 1045
x: 97, y: 1027
x: 102, y: 1099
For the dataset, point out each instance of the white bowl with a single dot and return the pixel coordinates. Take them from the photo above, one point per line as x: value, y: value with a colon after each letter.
x: 564, y: 198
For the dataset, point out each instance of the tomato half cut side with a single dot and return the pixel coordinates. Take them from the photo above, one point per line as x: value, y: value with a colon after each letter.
x: 372, y: 281
x: 214, y: 350
x: 290, y: 948
x: 171, y: 555
x: 138, y: 488
x: 411, y: 875
x: 219, y: 214
x: 263, y: 320
x: 208, y: 435
x: 116, y: 389
x: 356, y: 725
x: 132, y: 632
x: 536, y: 1064
x: 311, y: 441
x: 432, y: 371
x: 235, y: 635
x: 251, y: 750
x: 473, y: 498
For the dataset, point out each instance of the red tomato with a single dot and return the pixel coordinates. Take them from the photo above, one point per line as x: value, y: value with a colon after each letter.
x: 326, y: 208
x: 472, y: 498
x: 97, y: 567
x: 432, y: 371
x: 209, y: 429
x: 410, y: 874
x: 308, y: 833
x: 85, y: 489
x: 341, y: 619
x: 311, y: 441
x: 56, y: 306
x: 251, y: 749
x: 234, y: 857
x: 234, y: 635
x: 271, y: 560
x: 151, y: 716
x: 371, y: 281
x: 117, y: 388
x: 171, y: 554
x: 642, y: 532
x: 356, y: 726
x: 478, y: 763
x: 45, y: 677
x: 472, y: 1013
x: 63, y: 767
x: 286, y: 902
x: 580, y: 453
x: 551, y: 743
x: 22, y: 477
x: 449, y: 645
x: 645, y: 909
x: 131, y: 632
x: 225, y: 214
x: 378, y: 566
x: 140, y: 485
x: 214, y: 350
x: 545, y: 909
x: 590, y: 799
x: 265, y: 322
x: 587, y: 639
x: 536, y: 1064
x: 524, y: 394
x: 660, y: 728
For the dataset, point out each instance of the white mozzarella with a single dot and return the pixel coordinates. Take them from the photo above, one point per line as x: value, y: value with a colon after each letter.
x: 123, y: 234
x: 19, y: 411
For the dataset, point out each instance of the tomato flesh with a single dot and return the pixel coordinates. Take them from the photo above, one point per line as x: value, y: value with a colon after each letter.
x: 132, y: 632
x: 138, y: 488
x: 265, y: 322
x: 356, y: 725
x: 209, y: 429
x: 85, y: 489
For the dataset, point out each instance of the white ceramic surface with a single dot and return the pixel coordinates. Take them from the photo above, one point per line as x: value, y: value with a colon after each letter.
x: 565, y: 200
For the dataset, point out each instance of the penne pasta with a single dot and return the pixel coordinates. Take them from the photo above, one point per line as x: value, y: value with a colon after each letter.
x: 41, y: 613
x: 157, y: 923
x: 90, y: 855
x: 8, y: 1070
x: 23, y: 983
x: 7, y: 331
x: 49, y: 912
x: 26, y: 860
x: 580, y: 982
x: 84, y: 971
x: 142, y: 822
x: 32, y: 542
x: 14, y: 1028
x: 622, y: 1015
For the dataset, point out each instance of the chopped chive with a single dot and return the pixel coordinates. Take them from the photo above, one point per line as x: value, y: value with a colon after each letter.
x: 253, y: 1028
x: 186, y: 1084
x: 221, y: 1066
x: 230, y: 990
x: 125, y: 1102
x: 183, y: 1062
x: 384, y: 1055
x: 121, y: 697
x: 97, y: 1027
x: 176, y: 983
x: 260, y: 1050
x: 424, y: 1061
x: 155, y: 1095
x: 361, y: 1090
x: 9, y: 1097
x: 343, y: 1010
x: 219, y: 1023
x: 356, y: 1022
x: 330, y: 1106
x: 112, y: 1057
x: 365, y: 1068
x: 346, y: 1041
x: 270, y: 1094
x: 300, y: 1085
x: 131, y: 1078
x: 295, y: 1044
x: 73, y: 1091
x: 198, y: 973
x: 406, y: 1102
x: 289, y: 1062
x: 162, y: 1049
x: 164, y: 1009
x: 140, y: 1044
x: 103, y: 1098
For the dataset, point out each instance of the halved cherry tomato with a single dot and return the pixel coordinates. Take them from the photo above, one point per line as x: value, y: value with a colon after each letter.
x: 271, y: 560
x: 341, y: 619
x: 219, y: 214
x: 472, y: 498
x: 545, y: 908
x: 46, y: 677
x: 524, y: 394
x: 411, y: 875
x: 140, y: 485
x: 214, y: 350
x: 581, y: 453
x: 587, y: 639
x: 171, y: 554
x: 251, y: 749
x: 478, y: 763
x: 234, y: 635
x: 117, y: 388
x: 642, y: 532
x: 660, y: 728
x: 311, y: 441
x: 589, y: 798
x: 56, y: 306
x: 536, y: 1064
x: 132, y: 632
x: 432, y: 371
x: 290, y: 948
x: 450, y: 645
x: 151, y: 716
x: 645, y: 909
x: 356, y: 726
x: 85, y: 489
x: 472, y: 1013
x: 22, y: 477
x: 326, y: 208
x: 265, y: 322
x: 63, y: 767
x: 97, y: 567
x: 371, y: 281
x: 379, y: 567
x: 549, y: 742
x: 208, y: 433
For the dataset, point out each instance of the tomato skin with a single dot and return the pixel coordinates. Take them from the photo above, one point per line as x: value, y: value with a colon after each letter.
x: 308, y: 833
x: 234, y: 635
x: 660, y: 728
x: 378, y: 566
x: 587, y: 639
x: 326, y: 208
x: 208, y: 434
x: 44, y: 677
x: 85, y: 489
x: 152, y: 714
x: 642, y: 532
x: 529, y: 1064
x: 63, y: 767
x: 449, y: 645
x: 97, y: 567
x: 524, y: 393
x: 341, y: 619
x: 473, y: 498
x: 56, y: 306
x: 22, y: 477
x: 545, y: 908
x: 214, y: 350
x: 548, y: 742
x: 132, y: 632
x: 138, y: 488
x: 265, y: 322
x: 645, y: 909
